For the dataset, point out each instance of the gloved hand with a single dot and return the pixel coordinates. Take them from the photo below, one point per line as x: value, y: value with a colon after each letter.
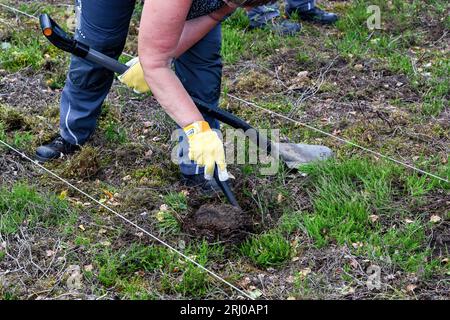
x: 206, y: 149
x: 134, y: 77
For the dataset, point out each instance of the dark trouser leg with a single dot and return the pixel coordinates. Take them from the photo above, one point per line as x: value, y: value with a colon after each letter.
x: 200, y: 71
x: 300, y: 5
x: 103, y: 25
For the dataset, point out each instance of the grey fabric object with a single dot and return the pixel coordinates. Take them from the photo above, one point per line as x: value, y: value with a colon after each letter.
x: 296, y: 154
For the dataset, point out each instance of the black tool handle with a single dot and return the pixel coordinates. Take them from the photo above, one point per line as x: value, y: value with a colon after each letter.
x: 225, y: 187
x: 59, y: 38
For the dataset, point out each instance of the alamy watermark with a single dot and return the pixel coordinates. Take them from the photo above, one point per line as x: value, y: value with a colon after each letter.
x: 374, y: 20
x: 241, y: 147
x: 374, y: 277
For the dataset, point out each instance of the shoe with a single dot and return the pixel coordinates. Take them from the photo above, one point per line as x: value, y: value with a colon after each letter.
x: 279, y: 25
x: 57, y: 149
x: 198, y: 180
x: 315, y: 15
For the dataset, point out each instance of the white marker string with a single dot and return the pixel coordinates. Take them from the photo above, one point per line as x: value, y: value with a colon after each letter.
x: 111, y: 210
x: 214, y: 275
x: 18, y: 11
x: 298, y: 122
x: 337, y: 138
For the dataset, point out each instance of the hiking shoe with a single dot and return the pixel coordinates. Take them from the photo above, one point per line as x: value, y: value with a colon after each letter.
x: 57, y: 149
x: 198, y: 180
x: 315, y: 15
x: 279, y: 25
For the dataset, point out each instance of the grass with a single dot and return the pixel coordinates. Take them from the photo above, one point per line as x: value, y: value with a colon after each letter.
x: 177, y: 201
x: 376, y: 210
x: 358, y: 42
x: 346, y: 194
x: 270, y: 249
x: 120, y: 268
x: 23, y: 205
x: 114, y: 133
x: 290, y: 222
x: 241, y: 43
x: 2, y: 133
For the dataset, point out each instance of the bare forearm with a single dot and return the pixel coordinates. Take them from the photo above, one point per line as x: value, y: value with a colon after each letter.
x: 172, y: 96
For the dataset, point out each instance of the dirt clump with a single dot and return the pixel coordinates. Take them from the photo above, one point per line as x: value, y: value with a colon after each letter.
x: 218, y: 222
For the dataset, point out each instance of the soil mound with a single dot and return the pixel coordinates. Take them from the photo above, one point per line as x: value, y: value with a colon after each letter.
x: 219, y: 222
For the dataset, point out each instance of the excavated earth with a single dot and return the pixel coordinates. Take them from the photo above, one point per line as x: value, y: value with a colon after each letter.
x: 218, y: 222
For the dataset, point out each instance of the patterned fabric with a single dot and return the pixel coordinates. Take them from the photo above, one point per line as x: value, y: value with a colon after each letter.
x: 204, y: 7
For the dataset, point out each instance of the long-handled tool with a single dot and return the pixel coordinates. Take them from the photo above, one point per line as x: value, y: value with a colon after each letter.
x: 291, y: 154
x: 58, y: 37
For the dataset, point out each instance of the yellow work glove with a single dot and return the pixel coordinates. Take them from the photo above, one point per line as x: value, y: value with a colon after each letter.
x: 134, y: 77
x: 206, y: 149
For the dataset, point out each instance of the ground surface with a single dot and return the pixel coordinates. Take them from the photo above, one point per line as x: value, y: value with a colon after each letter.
x: 355, y: 227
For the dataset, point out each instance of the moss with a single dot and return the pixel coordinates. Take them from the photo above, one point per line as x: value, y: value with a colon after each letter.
x: 85, y: 164
x: 254, y: 81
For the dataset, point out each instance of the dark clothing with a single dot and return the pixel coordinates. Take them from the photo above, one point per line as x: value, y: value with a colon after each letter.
x: 204, y: 7
x: 265, y: 13
x: 103, y: 25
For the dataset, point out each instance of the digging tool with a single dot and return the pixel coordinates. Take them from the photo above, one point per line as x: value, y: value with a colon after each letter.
x: 291, y: 154
x: 58, y: 37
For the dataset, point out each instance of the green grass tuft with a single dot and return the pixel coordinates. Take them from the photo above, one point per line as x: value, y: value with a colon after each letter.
x: 270, y: 249
x: 22, y: 204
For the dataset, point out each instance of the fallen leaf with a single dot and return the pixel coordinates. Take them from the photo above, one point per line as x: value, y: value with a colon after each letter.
x: 148, y: 154
x: 347, y: 291
x: 245, y: 282
x: 435, y: 219
x: 304, y: 273
x: 354, y: 263
x: 88, y: 268
x: 411, y: 287
x: 105, y: 243
x: 108, y: 193
x: 280, y: 198
x: 359, y: 67
x: 50, y: 253
x: 357, y: 245
x: 255, y: 294
x: 82, y: 228
x: 63, y: 195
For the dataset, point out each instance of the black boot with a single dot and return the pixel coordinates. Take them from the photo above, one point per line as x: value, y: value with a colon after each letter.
x: 198, y: 180
x: 315, y: 15
x: 58, y: 148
